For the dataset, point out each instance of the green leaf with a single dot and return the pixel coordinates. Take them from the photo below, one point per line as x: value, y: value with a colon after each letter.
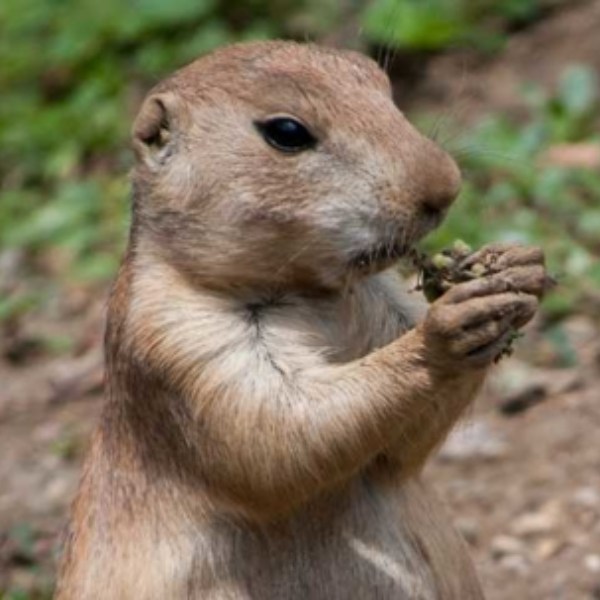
x: 425, y: 24
x: 97, y: 267
x: 17, y: 305
x: 563, y: 346
x: 578, y: 89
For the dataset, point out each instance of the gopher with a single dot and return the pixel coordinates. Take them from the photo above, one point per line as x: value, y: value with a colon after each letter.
x: 273, y: 391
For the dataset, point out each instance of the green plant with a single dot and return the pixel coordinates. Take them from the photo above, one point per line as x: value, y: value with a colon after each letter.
x: 439, y: 24
x: 73, y: 72
x: 511, y: 193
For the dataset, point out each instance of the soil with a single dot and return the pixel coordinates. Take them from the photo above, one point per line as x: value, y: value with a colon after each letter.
x: 465, y: 84
x: 521, y: 475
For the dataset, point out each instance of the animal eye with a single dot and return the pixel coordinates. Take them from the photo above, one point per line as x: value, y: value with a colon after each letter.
x: 286, y: 134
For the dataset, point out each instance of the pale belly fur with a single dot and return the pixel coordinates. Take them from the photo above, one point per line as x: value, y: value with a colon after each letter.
x: 371, y: 541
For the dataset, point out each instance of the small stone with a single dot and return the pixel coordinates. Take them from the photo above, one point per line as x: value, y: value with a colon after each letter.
x: 539, y: 522
x: 518, y: 386
x: 529, y: 396
x: 546, y: 548
x: 587, y: 497
x: 505, y: 545
x: 476, y: 440
x: 592, y: 563
x: 515, y: 563
x: 469, y: 529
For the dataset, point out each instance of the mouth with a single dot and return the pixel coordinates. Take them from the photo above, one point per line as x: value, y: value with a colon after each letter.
x: 398, y: 245
x: 381, y: 255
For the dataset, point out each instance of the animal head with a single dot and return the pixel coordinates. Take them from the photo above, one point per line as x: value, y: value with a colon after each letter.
x: 276, y: 165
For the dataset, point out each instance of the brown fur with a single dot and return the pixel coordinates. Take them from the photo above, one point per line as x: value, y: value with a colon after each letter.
x: 270, y: 400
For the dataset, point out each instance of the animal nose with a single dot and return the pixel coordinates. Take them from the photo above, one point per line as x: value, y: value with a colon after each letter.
x: 433, y: 205
x: 442, y: 181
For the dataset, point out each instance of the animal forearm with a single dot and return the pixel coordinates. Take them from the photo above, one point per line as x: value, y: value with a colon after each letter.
x: 417, y: 438
x: 272, y: 452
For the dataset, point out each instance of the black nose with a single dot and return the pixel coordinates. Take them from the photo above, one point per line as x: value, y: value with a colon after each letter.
x: 431, y: 211
x: 432, y: 215
x: 433, y: 206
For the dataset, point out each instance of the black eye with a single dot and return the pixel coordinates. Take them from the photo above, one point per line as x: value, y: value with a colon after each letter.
x: 286, y: 134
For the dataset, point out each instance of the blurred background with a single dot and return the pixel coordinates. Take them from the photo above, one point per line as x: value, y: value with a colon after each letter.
x: 509, y: 87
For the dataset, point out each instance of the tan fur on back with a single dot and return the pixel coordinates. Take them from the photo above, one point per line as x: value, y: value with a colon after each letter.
x: 270, y: 403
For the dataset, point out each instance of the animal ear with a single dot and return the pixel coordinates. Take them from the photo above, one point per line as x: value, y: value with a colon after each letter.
x: 153, y: 130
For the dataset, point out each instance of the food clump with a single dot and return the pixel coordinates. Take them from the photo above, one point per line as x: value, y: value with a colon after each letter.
x: 457, y: 264
x: 438, y: 273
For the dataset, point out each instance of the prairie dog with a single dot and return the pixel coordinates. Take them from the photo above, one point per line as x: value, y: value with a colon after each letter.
x: 272, y: 389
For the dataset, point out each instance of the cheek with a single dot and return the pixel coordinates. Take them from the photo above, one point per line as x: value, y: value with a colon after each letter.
x: 177, y: 183
x: 348, y: 213
x: 187, y: 183
x: 270, y: 190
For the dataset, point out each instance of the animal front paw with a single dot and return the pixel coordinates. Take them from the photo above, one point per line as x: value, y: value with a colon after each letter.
x: 474, y: 322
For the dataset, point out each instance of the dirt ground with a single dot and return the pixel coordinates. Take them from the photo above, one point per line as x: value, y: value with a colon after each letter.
x: 521, y: 475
